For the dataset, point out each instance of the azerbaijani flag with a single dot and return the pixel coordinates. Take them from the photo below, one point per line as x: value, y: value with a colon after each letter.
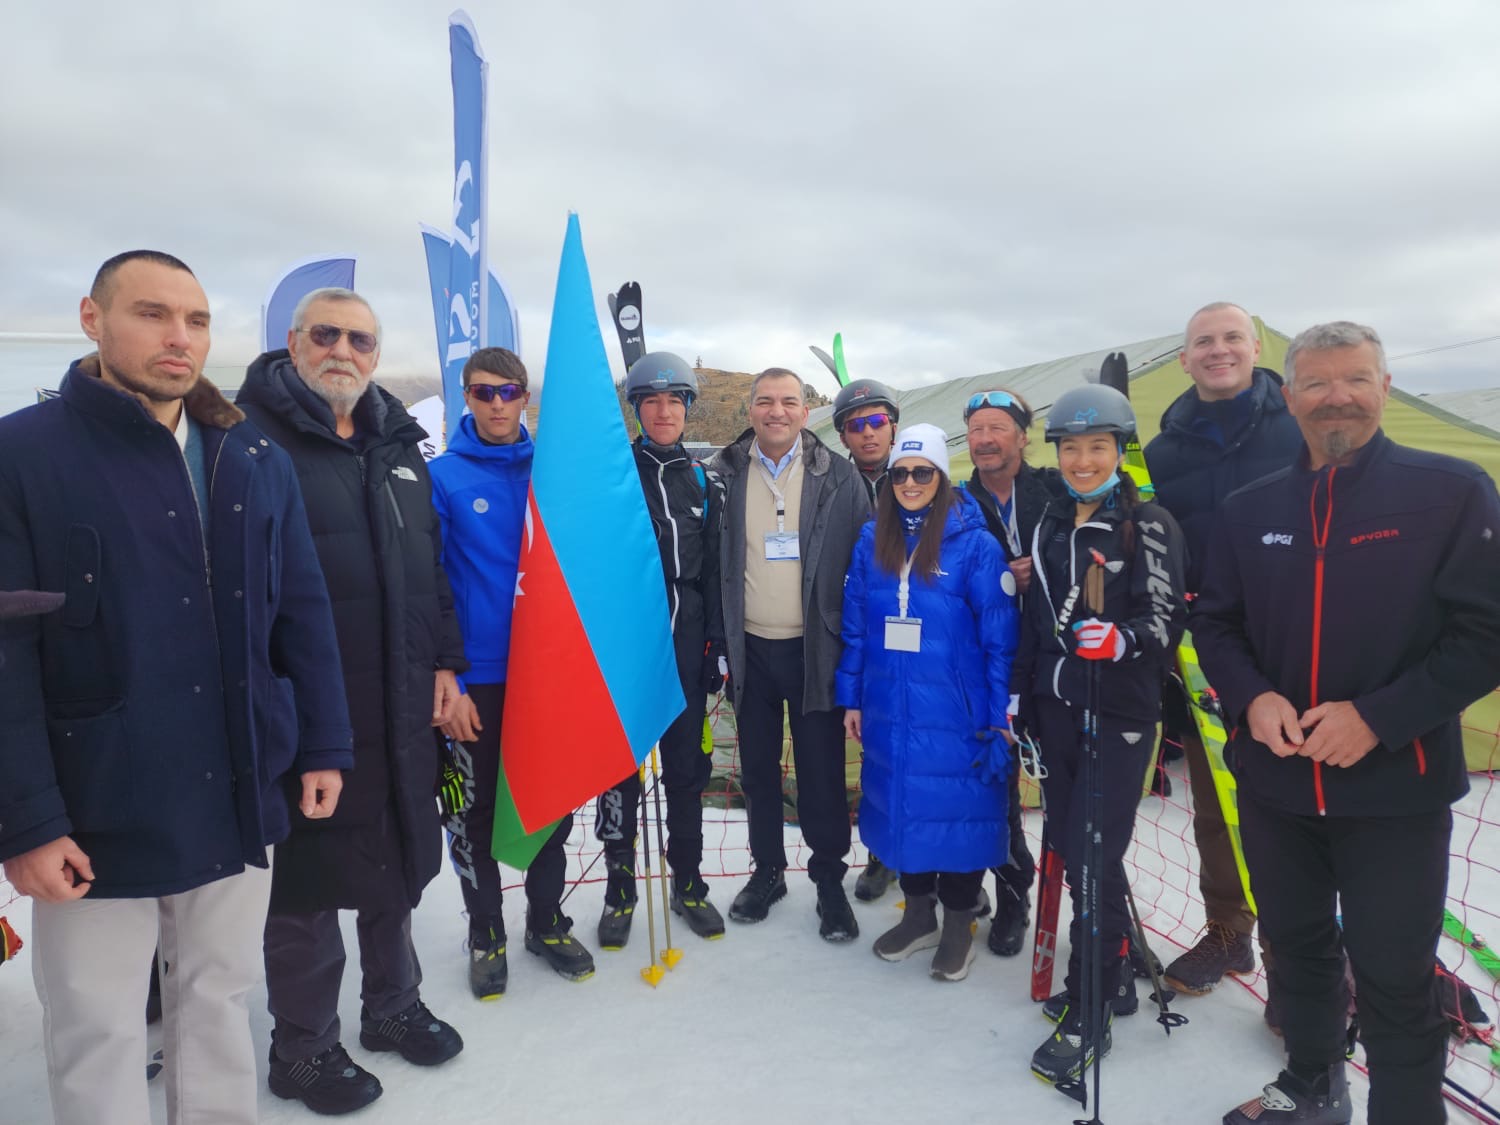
x: 592, y: 679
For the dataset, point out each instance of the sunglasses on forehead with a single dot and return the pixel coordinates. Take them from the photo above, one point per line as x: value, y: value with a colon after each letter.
x: 327, y: 335
x: 922, y: 474
x: 505, y: 392
x: 1001, y: 400
x: 869, y: 421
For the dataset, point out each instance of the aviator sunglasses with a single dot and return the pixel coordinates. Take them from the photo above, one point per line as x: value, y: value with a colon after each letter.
x: 870, y: 421
x: 488, y: 392
x: 922, y: 474
x: 327, y: 335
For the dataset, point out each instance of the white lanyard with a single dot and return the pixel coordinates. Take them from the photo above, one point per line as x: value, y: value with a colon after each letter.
x: 776, y: 494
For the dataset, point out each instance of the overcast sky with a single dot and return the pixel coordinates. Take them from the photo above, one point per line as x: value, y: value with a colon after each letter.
x: 957, y: 187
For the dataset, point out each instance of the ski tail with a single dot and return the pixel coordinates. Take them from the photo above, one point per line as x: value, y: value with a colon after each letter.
x: 630, y: 326
x: 1048, y: 906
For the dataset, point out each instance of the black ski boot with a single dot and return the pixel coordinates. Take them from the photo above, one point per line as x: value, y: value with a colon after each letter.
x: 330, y: 1083
x: 619, y: 904
x: 553, y: 941
x: 690, y: 903
x: 415, y: 1033
x: 874, y: 880
x: 1125, y: 1003
x: 767, y: 886
x: 835, y: 915
x: 488, y: 971
x: 1323, y: 1101
x: 1012, y: 917
x: 1064, y: 1056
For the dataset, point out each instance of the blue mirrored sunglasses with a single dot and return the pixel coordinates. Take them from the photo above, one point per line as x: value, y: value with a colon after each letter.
x: 1001, y: 400
x: 870, y: 421
x: 486, y: 392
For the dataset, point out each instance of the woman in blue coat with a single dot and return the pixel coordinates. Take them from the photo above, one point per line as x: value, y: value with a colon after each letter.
x: 929, y: 630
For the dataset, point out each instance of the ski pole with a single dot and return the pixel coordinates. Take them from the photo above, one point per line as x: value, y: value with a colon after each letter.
x: 1167, y: 1018
x: 1493, y: 1117
x: 669, y: 955
x: 653, y: 972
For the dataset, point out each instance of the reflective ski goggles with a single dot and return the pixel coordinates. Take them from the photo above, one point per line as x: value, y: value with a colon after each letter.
x: 869, y: 421
x: 488, y: 392
x: 327, y: 335
x: 1000, y: 400
x: 922, y: 474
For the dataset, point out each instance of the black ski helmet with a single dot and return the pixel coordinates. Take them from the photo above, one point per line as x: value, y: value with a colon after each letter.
x: 655, y: 372
x: 861, y: 393
x: 1090, y: 409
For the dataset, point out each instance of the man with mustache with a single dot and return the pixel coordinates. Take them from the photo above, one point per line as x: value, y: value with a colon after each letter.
x: 369, y: 501
x: 1350, y: 609
x: 1226, y: 430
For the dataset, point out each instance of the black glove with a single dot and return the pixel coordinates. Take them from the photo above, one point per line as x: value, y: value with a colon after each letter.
x: 715, y: 667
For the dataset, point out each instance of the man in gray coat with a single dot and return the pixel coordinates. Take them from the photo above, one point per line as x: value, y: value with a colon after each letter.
x: 792, y: 515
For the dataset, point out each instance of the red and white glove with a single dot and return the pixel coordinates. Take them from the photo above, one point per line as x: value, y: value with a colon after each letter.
x: 1099, y: 640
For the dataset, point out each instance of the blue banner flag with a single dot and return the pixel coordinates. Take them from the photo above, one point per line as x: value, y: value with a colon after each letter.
x: 298, y: 281
x: 468, y: 296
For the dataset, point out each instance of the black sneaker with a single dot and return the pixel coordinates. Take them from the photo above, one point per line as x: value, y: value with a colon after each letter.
x: 619, y: 905
x: 874, y: 880
x: 836, y: 916
x: 1063, y: 1057
x: 488, y: 971
x: 690, y: 902
x: 1125, y: 1003
x: 1012, y: 917
x: 767, y: 886
x: 330, y: 1083
x: 1324, y: 1101
x: 416, y: 1035
x: 554, y: 943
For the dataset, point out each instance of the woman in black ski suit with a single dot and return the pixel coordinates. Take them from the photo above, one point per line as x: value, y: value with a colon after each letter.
x: 1137, y: 548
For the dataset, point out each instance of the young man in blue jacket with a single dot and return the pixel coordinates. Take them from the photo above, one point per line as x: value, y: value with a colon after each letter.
x: 479, y: 489
x: 1350, y: 609
x: 155, y: 727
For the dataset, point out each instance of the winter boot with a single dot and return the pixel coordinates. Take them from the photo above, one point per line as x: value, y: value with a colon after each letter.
x: 1323, y: 1101
x: 1064, y: 1055
x: 1125, y: 1003
x: 955, y: 951
x: 917, y: 930
x: 836, y: 916
x: 553, y: 941
x: 874, y: 880
x: 1220, y: 950
x: 488, y: 971
x: 767, y: 886
x: 330, y: 1083
x: 690, y: 902
x: 416, y: 1034
x: 619, y: 904
x: 1012, y: 917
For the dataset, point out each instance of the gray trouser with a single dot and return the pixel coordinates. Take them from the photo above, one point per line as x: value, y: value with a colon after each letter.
x: 92, y: 966
x: 305, y: 967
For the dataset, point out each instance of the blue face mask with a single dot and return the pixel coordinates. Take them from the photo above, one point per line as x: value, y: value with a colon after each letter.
x: 1095, y: 494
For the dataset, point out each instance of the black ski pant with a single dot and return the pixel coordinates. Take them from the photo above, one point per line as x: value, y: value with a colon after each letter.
x: 685, y: 773
x: 471, y: 831
x: 956, y: 890
x: 772, y: 688
x: 1389, y: 877
x: 1124, y: 749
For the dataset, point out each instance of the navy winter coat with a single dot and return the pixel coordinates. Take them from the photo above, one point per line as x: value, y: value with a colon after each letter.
x: 153, y: 718
x: 934, y: 774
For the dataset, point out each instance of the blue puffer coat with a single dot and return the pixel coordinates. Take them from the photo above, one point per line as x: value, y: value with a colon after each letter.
x: 934, y: 774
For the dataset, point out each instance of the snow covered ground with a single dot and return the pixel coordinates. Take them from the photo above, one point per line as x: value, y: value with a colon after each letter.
x: 770, y: 1024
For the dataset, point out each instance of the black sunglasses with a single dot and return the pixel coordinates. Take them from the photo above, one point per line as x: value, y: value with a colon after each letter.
x: 922, y: 474
x: 870, y: 421
x: 487, y: 392
x: 327, y: 335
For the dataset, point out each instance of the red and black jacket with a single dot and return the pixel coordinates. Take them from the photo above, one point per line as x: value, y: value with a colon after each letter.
x: 1376, y: 583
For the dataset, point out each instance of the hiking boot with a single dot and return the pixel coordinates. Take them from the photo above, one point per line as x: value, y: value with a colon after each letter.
x: 488, y: 971
x: 1012, y: 917
x: 553, y: 942
x: 874, y: 880
x: 1063, y: 1056
x: 766, y: 887
x: 416, y: 1034
x: 1323, y: 1101
x: 690, y: 902
x: 619, y: 904
x: 917, y: 930
x: 1220, y: 950
x: 329, y: 1083
x: 1125, y: 1003
x: 836, y: 916
x: 955, y: 951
